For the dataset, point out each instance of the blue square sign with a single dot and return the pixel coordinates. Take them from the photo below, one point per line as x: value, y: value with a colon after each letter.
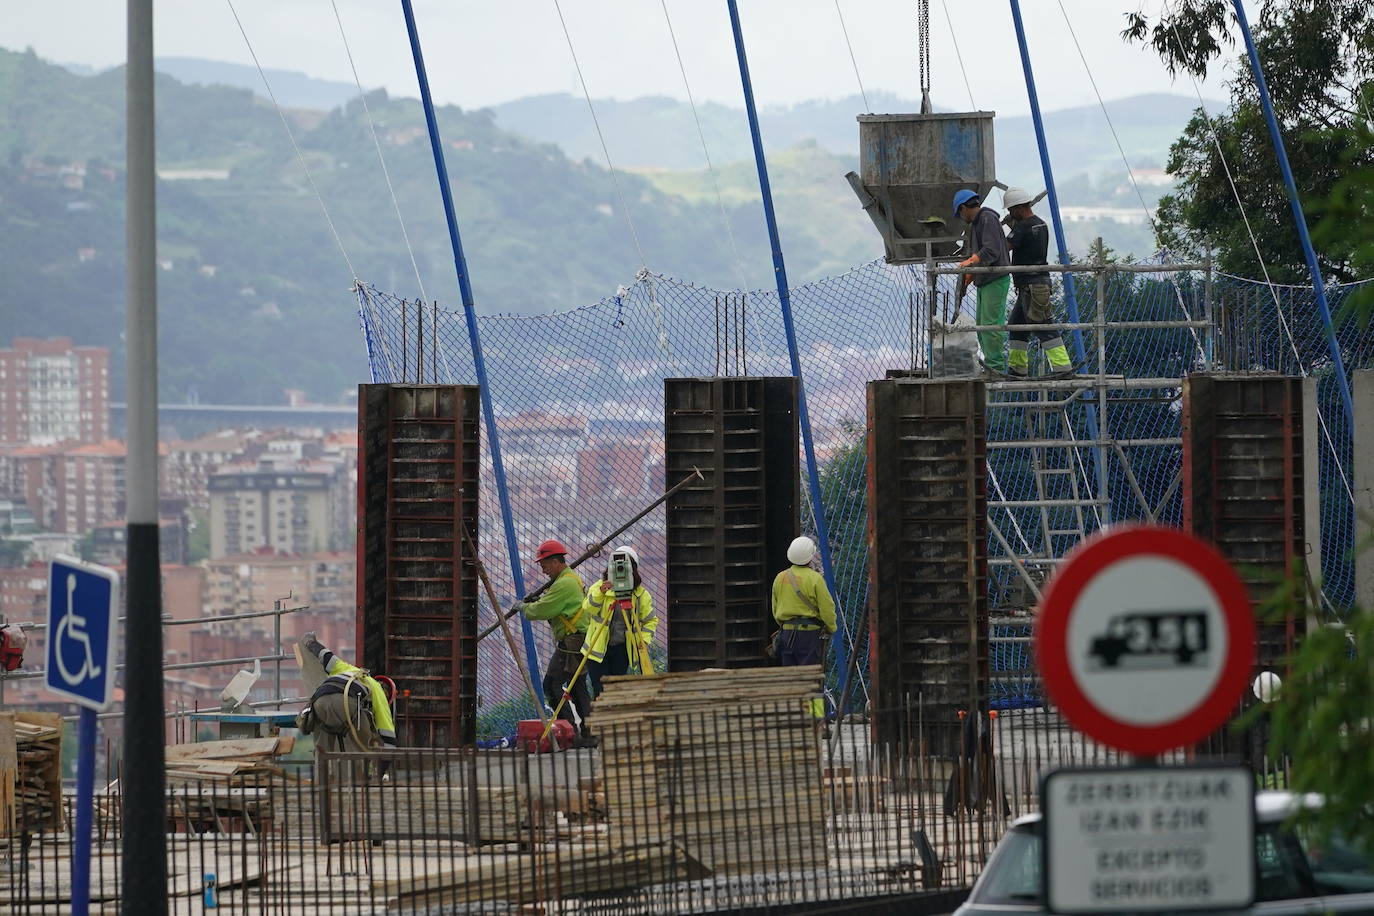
x: 82, y: 602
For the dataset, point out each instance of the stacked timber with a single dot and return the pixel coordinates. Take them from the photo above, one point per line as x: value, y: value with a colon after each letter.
x: 546, y: 875
x: 724, y: 765
x: 30, y: 772
x: 240, y: 760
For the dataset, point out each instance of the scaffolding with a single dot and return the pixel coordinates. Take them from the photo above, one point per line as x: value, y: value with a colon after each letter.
x: 1061, y: 434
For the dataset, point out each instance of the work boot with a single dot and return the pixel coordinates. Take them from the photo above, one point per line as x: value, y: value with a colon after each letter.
x: 585, y: 738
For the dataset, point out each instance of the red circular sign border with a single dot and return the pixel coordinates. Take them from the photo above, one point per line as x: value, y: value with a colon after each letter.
x: 1080, y: 567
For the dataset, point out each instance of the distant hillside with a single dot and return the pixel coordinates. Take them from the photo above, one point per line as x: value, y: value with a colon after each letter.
x: 660, y: 133
x: 292, y: 88
x: 254, y: 293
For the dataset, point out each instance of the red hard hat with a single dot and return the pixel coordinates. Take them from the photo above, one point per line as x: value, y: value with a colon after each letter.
x: 551, y: 548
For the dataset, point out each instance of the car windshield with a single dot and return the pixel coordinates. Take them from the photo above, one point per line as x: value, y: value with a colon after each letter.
x: 1013, y: 875
x: 1338, y: 867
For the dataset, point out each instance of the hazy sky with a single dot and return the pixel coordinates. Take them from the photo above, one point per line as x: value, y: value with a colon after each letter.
x: 480, y: 53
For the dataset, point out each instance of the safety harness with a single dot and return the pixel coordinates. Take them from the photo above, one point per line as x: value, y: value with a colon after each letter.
x: 802, y: 623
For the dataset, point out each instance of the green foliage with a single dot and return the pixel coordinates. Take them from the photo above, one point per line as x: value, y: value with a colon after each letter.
x: 1319, y: 59
x: 198, y: 538
x: 1348, y: 220
x: 13, y: 553
x: 85, y: 547
x: 496, y: 721
x: 1321, y: 718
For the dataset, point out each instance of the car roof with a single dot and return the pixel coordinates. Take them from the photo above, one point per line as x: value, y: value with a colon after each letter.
x: 1270, y: 806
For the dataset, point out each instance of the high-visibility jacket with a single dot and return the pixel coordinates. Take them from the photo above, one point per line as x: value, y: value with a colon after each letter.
x: 561, y: 605
x: 601, y: 608
x: 342, y: 675
x: 814, y: 602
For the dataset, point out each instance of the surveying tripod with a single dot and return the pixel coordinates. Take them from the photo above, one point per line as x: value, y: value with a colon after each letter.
x: 621, y: 575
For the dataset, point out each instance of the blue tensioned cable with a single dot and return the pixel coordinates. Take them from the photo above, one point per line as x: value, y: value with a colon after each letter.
x: 784, y: 299
x: 470, y: 313
x: 1070, y: 299
x: 1318, y: 284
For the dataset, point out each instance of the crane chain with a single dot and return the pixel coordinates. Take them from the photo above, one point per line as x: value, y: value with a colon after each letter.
x: 923, y: 50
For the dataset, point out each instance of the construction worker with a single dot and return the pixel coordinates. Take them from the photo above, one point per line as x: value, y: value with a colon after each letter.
x: 1029, y: 243
x: 804, y: 611
x: 609, y: 645
x: 561, y: 605
x: 350, y: 705
x: 989, y: 247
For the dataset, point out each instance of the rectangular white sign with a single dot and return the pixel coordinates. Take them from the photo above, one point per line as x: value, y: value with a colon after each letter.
x: 1149, y: 838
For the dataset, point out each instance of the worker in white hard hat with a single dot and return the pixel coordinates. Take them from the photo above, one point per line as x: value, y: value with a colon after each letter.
x: 804, y: 611
x: 1029, y: 244
x: 623, y: 621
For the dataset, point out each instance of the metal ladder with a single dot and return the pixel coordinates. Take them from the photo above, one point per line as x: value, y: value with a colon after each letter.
x: 1057, y: 487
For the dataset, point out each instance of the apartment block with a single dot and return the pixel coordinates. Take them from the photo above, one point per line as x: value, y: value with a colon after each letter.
x: 52, y: 391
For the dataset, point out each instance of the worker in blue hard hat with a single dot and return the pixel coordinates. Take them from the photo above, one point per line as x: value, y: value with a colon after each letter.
x: 1029, y: 244
x: 989, y: 247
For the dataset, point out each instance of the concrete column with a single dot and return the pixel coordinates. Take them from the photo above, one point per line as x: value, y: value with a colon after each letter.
x: 1363, y: 452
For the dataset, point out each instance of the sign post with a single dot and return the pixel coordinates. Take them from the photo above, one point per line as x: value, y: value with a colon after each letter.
x: 82, y: 602
x: 1145, y: 640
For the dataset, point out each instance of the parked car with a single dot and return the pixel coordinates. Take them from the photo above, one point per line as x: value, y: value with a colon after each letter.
x: 1295, y: 873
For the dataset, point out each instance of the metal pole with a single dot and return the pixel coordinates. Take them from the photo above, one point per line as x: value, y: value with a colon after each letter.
x: 784, y: 300
x: 1310, y: 253
x: 470, y: 313
x: 1070, y: 298
x: 85, y: 798
x: 276, y: 645
x: 1102, y: 477
x: 144, y: 859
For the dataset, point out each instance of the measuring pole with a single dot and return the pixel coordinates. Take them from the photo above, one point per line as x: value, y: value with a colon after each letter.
x: 144, y: 859
x: 785, y: 301
x: 479, y: 364
x: 1318, y: 284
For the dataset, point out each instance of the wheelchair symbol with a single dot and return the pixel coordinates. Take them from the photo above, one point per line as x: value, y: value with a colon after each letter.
x: 73, y: 626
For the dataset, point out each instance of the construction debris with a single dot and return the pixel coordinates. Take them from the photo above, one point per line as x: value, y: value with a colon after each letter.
x: 724, y: 765
x: 30, y: 772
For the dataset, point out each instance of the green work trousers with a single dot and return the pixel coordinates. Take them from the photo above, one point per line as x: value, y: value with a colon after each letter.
x: 992, y: 309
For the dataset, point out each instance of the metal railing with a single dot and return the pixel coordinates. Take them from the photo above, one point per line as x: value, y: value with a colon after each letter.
x: 276, y: 613
x: 753, y: 809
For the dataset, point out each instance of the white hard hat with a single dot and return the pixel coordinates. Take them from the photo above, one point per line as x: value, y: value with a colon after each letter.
x: 801, y: 551
x: 1015, y: 197
x: 628, y: 551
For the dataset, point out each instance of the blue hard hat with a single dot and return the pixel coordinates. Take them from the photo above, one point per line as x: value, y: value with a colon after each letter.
x: 962, y: 197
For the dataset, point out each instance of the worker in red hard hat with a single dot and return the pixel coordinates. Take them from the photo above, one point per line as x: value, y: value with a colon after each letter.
x: 561, y: 606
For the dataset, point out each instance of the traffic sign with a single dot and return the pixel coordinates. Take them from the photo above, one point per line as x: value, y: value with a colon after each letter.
x: 1142, y: 839
x: 1145, y: 638
x: 82, y: 602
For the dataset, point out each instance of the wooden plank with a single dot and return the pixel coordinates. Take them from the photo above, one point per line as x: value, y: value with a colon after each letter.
x: 242, y: 747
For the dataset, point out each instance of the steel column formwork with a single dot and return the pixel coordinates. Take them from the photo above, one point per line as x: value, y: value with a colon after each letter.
x: 418, y: 482
x: 727, y: 535
x: 1243, y: 486
x: 928, y: 564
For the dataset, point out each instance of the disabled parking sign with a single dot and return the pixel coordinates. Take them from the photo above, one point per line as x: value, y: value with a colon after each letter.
x: 82, y: 602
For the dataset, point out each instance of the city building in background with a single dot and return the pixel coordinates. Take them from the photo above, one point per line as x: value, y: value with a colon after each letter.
x: 52, y: 391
